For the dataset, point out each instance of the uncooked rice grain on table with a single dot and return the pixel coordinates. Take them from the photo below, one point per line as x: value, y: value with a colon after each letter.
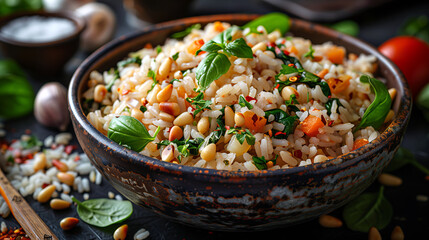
x: 254, y: 79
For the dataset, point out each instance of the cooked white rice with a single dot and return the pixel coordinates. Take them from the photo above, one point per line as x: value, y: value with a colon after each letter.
x: 253, y: 78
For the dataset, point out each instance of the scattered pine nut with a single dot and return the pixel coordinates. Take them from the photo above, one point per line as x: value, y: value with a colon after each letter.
x: 69, y: 223
x: 397, y: 233
x: 329, y: 221
x: 59, y: 204
x: 422, y: 198
x: 374, y: 234
x: 121, y: 232
x: 111, y: 195
x: 390, y: 180
x: 46, y: 193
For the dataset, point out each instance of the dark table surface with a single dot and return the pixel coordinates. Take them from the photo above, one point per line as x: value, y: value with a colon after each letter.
x: 376, y: 26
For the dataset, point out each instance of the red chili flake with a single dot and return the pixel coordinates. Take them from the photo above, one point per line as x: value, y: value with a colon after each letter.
x: 254, y: 55
x: 29, y: 156
x: 271, y: 44
x: 277, y: 86
x: 77, y: 158
x: 330, y: 123
x: 277, y: 50
x: 201, y: 52
x: 279, y: 133
x: 329, y: 96
x: 69, y: 149
x: 291, y: 65
x: 323, y: 120
x: 249, y: 98
x: 297, y: 153
x: 18, y: 160
x: 227, y: 127
x: 125, y: 91
x: 45, y: 185
x: 286, y: 52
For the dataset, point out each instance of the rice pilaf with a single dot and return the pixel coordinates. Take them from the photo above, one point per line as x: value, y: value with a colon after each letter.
x: 248, y: 119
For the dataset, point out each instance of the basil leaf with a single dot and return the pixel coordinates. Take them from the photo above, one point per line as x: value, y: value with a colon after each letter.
x: 347, y: 27
x: 185, y: 32
x: 271, y: 22
x: 376, y: 112
x: 368, y: 210
x: 16, y: 93
x: 239, y: 48
x: 242, y: 135
x: 210, y: 46
x: 130, y: 132
x: 131, y: 60
x: 225, y: 36
x: 211, y: 68
x: 244, y: 103
x: 103, y: 212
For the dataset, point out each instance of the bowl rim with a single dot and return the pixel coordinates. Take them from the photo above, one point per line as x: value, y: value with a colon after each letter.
x: 345, y: 160
x: 66, y: 14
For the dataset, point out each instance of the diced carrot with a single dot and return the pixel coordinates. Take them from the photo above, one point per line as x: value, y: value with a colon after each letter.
x: 293, y: 50
x: 359, y: 143
x: 218, y: 27
x: 310, y: 126
x: 322, y: 73
x: 336, y: 55
x: 195, y: 46
x: 340, y: 84
x: 253, y: 121
x: 148, y: 45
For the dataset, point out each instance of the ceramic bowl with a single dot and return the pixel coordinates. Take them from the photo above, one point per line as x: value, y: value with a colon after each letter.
x: 236, y: 201
x: 42, y: 58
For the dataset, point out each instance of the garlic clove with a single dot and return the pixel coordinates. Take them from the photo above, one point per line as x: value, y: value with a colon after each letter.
x: 100, y: 25
x: 50, y: 106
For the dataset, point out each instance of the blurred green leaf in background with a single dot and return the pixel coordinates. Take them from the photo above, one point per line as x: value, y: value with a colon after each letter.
x: 11, y: 6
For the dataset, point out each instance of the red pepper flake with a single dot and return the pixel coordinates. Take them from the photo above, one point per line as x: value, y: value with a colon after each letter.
x: 227, y: 127
x: 45, y: 185
x: 277, y: 86
x: 249, y: 98
x: 323, y: 120
x: 279, y: 133
x: 18, y: 160
x: 291, y: 65
x: 286, y: 52
x: 77, y: 158
x: 69, y: 149
x: 297, y: 153
x: 330, y: 123
x: 27, y: 131
x: 271, y: 44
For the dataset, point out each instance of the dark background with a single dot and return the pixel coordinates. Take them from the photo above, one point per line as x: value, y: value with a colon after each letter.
x: 377, y: 24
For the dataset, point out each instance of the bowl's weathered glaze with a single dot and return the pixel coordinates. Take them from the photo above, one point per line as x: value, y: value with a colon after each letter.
x: 43, y: 58
x: 237, y: 201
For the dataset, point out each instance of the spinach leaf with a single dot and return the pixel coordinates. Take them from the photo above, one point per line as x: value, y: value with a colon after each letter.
x: 416, y: 26
x: 244, y: 103
x: 271, y: 22
x: 103, y: 212
x: 284, y: 57
x: 376, y: 112
x: 199, y: 103
x: 131, y: 60
x: 130, y: 132
x: 185, y: 32
x: 403, y: 157
x: 242, y: 135
x: 211, y: 68
x: 16, y: 93
x: 347, y: 27
x: 368, y: 210
x: 282, y: 117
x: 328, y: 104
x: 290, y: 104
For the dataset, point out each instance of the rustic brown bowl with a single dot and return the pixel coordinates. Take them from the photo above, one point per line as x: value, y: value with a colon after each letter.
x: 237, y: 201
x: 44, y: 58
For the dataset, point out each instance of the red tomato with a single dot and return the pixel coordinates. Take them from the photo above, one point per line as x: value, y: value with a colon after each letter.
x: 411, y: 55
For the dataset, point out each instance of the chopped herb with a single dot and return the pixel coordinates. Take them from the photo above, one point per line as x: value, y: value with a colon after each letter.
x: 143, y: 109
x: 185, y: 72
x: 152, y: 75
x: 131, y: 60
x: 261, y: 163
x: 310, y: 52
x: 30, y: 142
x: 175, y: 56
x: 244, y: 103
x: 199, y: 103
x: 282, y: 117
x: 284, y: 57
x: 174, y: 80
x: 112, y: 82
x: 290, y: 104
x: 127, y: 109
x: 214, y: 136
x: 185, y: 147
x: 328, y: 105
x: 158, y: 49
x: 185, y: 32
x: 242, y: 135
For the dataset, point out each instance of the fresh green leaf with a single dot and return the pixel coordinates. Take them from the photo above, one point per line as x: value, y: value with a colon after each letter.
x: 239, y: 48
x: 271, y: 22
x: 130, y: 132
x: 9, y: 7
x: 328, y: 105
x: 261, y: 162
x: 131, y: 60
x: 347, y: 27
x: 210, y: 46
x: 244, y: 103
x: 416, y: 26
x: 175, y: 80
x: 376, y: 112
x: 143, y: 109
x: 282, y: 117
x: 16, y: 93
x: 242, y: 135
x: 403, y: 157
x: 290, y: 104
x: 158, y: 49
x: 175, y: 56
x: 226, y: 36
x: 285, y: 58
x: 103, y: 212
x: 368, y: 210
x: 185, y: 147
x: 31, y: 142
x: 185, y: 32
x: 112, y: 82
x: 214, y: 136
x: 199, y: 103
x: 152, y: 75
x: 211, y: 68
x: 310, y: 52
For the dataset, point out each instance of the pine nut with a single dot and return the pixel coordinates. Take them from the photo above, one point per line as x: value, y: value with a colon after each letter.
x: 389, y: 116
x: 165, y: 93
x: 46, y: 193
x: 178, y: 75
x: 329, y: 221
x: 183, y: 119
x: 59, y: 204
x: 320, y: 158
x: 168, y: 153
x: 397, y: 233
x: 66, y: 178
x: 151, y: 97
x: 288, y: 91
x: 166, y: 117
x: 239, y: 119
x: 100, y: 92
x: 137, y: 114
x: 121, y: 232
x: 374, y: 234
x: 176, y: 132
x: 229, y: 117
x: 170, y: 108
x: 260, y: 46
x: 61, y: 166
x: 209, y: 152
x: 39, y: 162
x: 392, y: 93
x: 389, y: 180
x: 203, y: 125
x: 69, y: 223
x: 164, y: 68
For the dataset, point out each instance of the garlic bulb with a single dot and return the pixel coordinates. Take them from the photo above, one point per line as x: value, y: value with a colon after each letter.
x: 100, y: 25
x: 50, y: 106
